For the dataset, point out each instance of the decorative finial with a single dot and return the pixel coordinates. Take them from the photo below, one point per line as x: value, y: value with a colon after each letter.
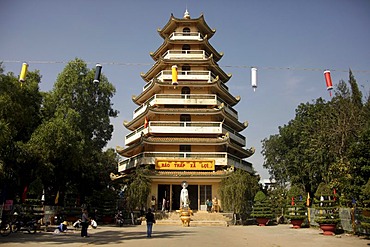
x: 186, y: 14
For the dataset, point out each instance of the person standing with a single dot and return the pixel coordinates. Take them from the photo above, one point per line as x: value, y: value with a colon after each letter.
x: 150, y: 220
x: 84, y: 222
x: 152, y: 203
x: 164, y: 204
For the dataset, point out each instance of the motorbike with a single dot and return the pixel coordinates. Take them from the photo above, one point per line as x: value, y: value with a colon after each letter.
x: 5, y: 228
x: 119, y: 218
x: 22, y: 223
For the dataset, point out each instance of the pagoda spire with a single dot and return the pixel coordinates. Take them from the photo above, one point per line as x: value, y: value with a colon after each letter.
x: 186, y: 14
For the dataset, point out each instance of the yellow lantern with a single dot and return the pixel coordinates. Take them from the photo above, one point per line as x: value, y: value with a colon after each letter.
x: 174, y: 75
x: 22, y: 77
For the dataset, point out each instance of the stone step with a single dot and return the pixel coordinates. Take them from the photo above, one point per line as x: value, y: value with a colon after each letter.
x: 192, y: 223
x: 199, y: 218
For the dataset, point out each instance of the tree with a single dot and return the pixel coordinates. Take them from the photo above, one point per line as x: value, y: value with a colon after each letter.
x: 19, y: 117
x: 75, y: 128
x: 138, y: 188
x: 326, y: 141
x: 237, y: 191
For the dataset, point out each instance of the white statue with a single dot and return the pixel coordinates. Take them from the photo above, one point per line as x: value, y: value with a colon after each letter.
x: 184, y: 196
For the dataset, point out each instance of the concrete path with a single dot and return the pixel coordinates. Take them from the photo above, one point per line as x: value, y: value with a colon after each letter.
x: 205, y: 236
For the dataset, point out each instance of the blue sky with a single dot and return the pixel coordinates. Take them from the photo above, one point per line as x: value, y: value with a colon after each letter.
x: 291, y: 43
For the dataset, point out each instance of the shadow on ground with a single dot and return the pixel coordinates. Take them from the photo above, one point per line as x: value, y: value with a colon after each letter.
x: 98, y: 237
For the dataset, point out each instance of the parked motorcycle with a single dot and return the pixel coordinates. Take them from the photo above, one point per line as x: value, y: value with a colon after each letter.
x: 119, y: 218
x: 22, y: 223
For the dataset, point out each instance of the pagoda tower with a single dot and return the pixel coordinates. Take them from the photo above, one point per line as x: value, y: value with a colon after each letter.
x: 185, y: 126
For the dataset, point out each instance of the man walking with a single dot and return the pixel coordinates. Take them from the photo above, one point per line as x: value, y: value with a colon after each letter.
x: 149, y: 223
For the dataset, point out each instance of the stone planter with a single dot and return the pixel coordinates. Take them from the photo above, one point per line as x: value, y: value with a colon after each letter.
x: 262, y: 221
x: 328, y: 229
x: 296, y: 223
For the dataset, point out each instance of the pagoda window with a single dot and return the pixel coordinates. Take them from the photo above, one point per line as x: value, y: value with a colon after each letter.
x: 185, y: 148
x: 186, y: 31
x: 185, y: 48
x: 185, y: 68
x: 185, y: 118
x: 185, y: 90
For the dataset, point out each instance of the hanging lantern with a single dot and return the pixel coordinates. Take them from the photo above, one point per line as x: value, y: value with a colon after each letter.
x: 329, y: 84
x: 97, y: 72
x: 254, y: 78
x: 174, y: 75
x: 146, y: 122
x: 22, y: 77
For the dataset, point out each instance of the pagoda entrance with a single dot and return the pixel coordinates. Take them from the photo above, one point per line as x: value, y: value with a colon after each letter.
x: 163, y: 192
x: 193, y: 196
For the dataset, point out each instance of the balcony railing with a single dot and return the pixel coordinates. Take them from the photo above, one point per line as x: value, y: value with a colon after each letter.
x: 184, y: 99
x: 201, y: 75
x: 148, y: 158
x: 186, y: 36
x: 168, y: 127
x: 185, y: 54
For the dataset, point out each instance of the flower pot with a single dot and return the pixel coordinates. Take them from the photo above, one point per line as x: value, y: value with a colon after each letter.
x: 296, y: 223
x: 328, y: 229
x: 262, y: 221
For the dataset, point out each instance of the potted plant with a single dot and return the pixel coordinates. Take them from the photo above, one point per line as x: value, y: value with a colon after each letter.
x: 296, y: 209
x: 327, y: 211
x: 261, y: 209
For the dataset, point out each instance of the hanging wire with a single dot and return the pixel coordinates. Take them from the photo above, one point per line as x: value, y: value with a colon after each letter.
x: 223, y: 66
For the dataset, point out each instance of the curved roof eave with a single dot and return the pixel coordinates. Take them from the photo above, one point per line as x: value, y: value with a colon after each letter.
x: 216, y: 83
x: 162, y: 49
x: 161, y: 63
x: 173, y: 22
x: 137, y: 147
x: 131, y: 125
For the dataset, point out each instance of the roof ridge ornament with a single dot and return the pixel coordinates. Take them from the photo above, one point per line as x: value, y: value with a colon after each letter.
x: 186, y: 14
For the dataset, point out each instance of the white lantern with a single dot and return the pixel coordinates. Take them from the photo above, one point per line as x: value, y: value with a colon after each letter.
x: 254, y: 78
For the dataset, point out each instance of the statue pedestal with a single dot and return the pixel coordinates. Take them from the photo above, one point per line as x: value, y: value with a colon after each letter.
x: 185, y: 216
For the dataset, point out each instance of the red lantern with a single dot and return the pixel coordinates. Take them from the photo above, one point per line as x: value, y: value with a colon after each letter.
x: 146, y: 122
x: 329, y: 84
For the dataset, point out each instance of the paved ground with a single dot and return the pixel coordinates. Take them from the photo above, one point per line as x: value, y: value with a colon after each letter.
x: 168, y: 236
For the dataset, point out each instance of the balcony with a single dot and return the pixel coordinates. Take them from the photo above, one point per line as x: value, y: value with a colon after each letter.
x: 191, y: 128
x: 184, y: 99
x: 185, y: 54
x: 186, y: 36
x: 149, y: 158
x: 197, y: 75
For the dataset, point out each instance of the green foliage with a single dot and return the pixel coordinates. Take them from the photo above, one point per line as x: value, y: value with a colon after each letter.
x: 237, y: 191
x: 366, y: 190
x: 19, y: 116
x: 326, y: 205
x: 138, y: 188
x: 326, y: 141
x: 278, y: 200
x: 53, y: 140
x: 262, y: 206
x: 296, y: 203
